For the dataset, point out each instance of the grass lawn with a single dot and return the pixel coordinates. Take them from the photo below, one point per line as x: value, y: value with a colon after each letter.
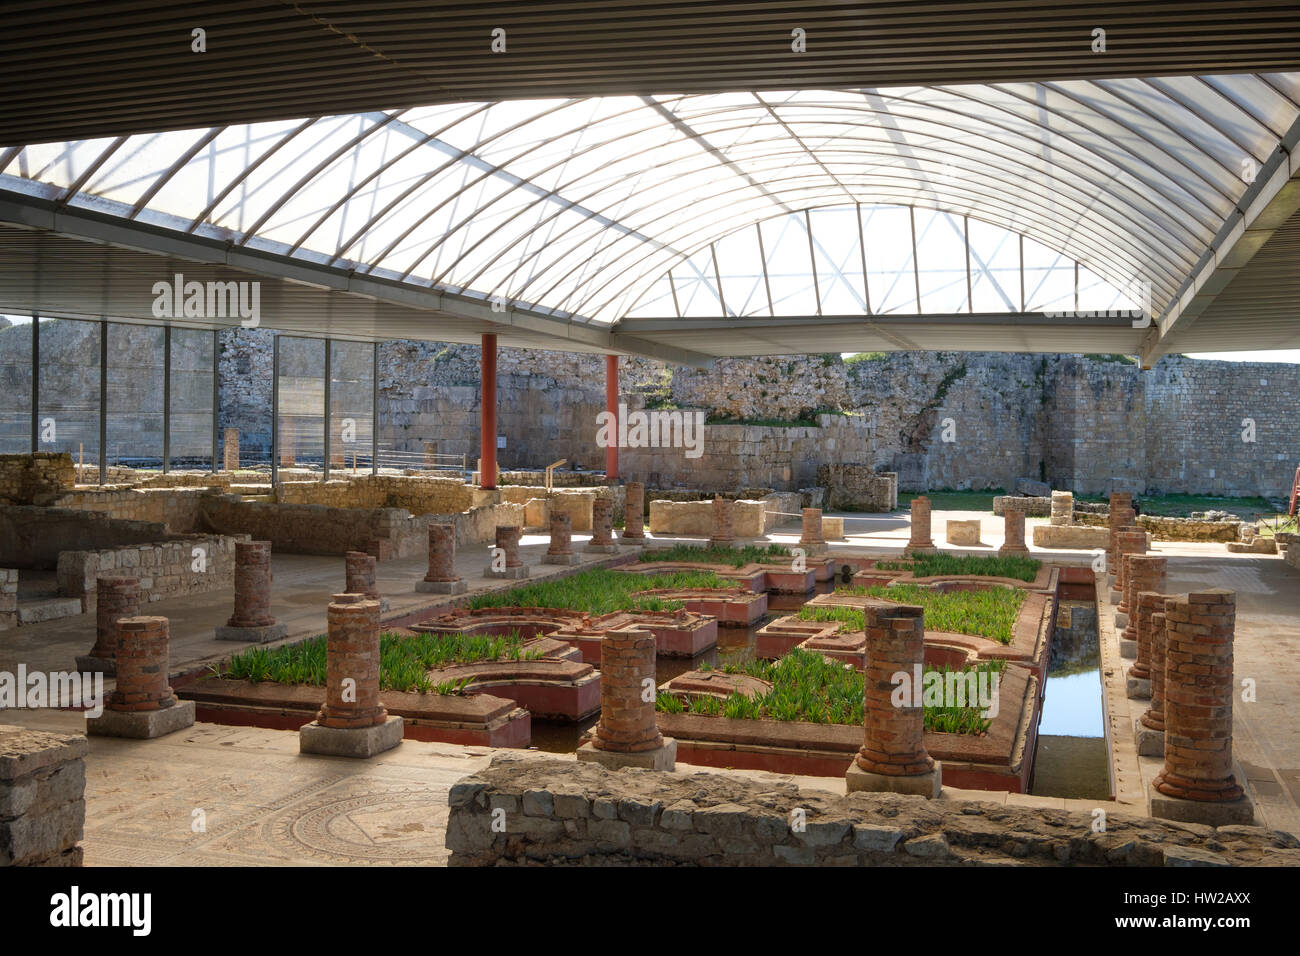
x: 954, y: 500
x: 1180, y: 506
x: 601, y: 591
x: 736, y: 557
x: 808, y: 687
x: 404, y: 660
x: 991, y: 565
x: 991, y: 613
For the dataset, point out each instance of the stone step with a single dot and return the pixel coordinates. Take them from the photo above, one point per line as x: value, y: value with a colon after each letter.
x: 49, y: 609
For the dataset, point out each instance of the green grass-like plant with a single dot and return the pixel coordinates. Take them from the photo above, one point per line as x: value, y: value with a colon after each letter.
x: 404, y: 661
x: 735, y: 557
x: 984, y: 565
x: 989, y: 613
x: 601, y: 591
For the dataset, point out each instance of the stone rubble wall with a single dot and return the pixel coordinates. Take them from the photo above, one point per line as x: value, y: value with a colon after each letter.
x: 42, y: 797
x: 8, y: 598
x: 165, y: 568
x: 751, y: 519
x: 858, y: 487
x: 1163, y: 528
x: 579, y: 814
x: 317, y: 529
x: 175, y: 508
x: 35, y: 479
x: 418, y: 495
x: 1032, y: 507
x: 34, y: 537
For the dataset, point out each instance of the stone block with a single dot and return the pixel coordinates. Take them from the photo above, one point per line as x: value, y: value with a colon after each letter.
x: 568, y: 559
x: 142, y: 724
x: 441, y: 587
x: 350, y: 741
x: 1150, y: 743
x: 963, y: 532
x: 923, y: 784
x: 660, y: 758
x: 1198, y: 811
x: 253, y: 635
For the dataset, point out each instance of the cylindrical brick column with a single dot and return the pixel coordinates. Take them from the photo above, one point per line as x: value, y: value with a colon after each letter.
x: 252, y: 585
x: 116, y: 597
x: 811, y: 531
x: 1154, y: 717
x: 1121, y: 502
x: 1198, y: 698
x: 1128, y: 544
x: 634, y: 511
x: 893, y: 743
x: 141, y: 662
x: 920, y: 538
x: 442, y: 553
x: 230, y: 453
x: 561, y: 534
x: 361, y: 575
x: 487, y: 478
x: 611, y: 406
x: 724, y: 516
x: 1146, y: 572
x: 1062, y: 508
x: 352, y: 664
x: 627, y: 719
x: 508, y: 542
x: 602, y: 521
x: 1013, y: 538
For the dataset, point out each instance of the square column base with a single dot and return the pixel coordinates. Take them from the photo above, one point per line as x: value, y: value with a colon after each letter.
x: 568, y: 559
x: 601, y: 549
x: 926, y: 785
x: 1128, y: 649
x: 661, y: 758
x: 253, y: 635
x: 350, y: 741
x: 1008, y: 552
x: 1150, y: 743
x: 812, y: 550
x: 1196, y: 811
x: 142, y: 724
x: 921, y: 548
x: 1121, y: 620
x: 96, y: 665
x: 1115, y: 595
x: 512, y: 573
x: 441, y: 587
x: 1137, y: 688
x: 632, y: 542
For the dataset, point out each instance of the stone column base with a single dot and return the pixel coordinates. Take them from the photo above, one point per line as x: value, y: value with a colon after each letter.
x: 253, y: 635
x: 1137, y: 688
x: 661, y: 758
x: 1128, y: 649
x: 1197, y: 811
x: 1150, y: 743
x: 441, y: 587
x: 722, y: 542
x: 512, y: 573
x: 921, y: 784
x: 350, y: 741
x: 1115, y: 595
x: 1121, y: 620
x: 812, y: 550
x: 96, y: 665
x: 638, y: 542
x: 921, y: 548
x: 142, y: 724
x: 1006, y: 552
x: 601, y: 549
x: 569, y: 559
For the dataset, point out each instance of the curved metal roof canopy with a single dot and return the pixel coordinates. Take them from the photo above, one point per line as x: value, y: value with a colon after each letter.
x: 575, y: 208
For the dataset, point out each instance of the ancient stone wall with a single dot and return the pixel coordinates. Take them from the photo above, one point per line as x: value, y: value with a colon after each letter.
x: 35, y: 479
x: 175, y: 508
x: 42, y: 797
x: 317, y: 529
x: 34, y: 537
x: 579, y: 814
x: 189, y: 564
x: 858, y: 487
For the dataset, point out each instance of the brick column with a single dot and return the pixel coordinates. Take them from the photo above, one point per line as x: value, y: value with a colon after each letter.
x: 634, y: 512
x: 142, y: 704
x: 920, y: 539
x: 602, y: 526
x: 352, y: 722
x: 893, y: 755
x: 1120, y: 501
x: 116, y: 597
x: 1062, y: 508
x: 561, y: 547
x: 230, y: 452
x: 1150, y: 726
x: 810, y: 532
x: 1143, y: 572
x: 1013, y: 538
x: 1198, y: 713
x: 628, y: 732
x: 611, y: 406
x: 441, y: 577
x: 487, y: 478
x: 1128, y: 541
x: 724, y: 516
x: 507, y: 540
x: 252, y: 620
x: 360, y: 571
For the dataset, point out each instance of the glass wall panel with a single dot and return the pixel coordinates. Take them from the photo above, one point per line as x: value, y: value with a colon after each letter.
x: 994, y: 268
x: 352, y: 408
x: 657, y: 301
x: 891, y: 281
x: 68, y: 404
x: 302, y: 402
x: 15, y: 384
x: 1049, y: 279
x: 838, y: 254
x: 134, y: 420
x: 789, y: 265
x: 697, y: 286
x: 191, y: 399
x: 941, y: 259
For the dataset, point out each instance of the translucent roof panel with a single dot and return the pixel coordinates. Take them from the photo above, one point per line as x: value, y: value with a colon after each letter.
x: 894, y: 200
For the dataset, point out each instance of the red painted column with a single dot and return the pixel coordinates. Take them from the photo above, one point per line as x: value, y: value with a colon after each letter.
x: 488, y: 414
x: 611, y: 406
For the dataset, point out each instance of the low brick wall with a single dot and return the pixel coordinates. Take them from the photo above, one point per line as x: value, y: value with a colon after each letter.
x: 165, y: 568
x: 564, y: 812
x: 854, y: 487
x: 1032, y: 507
x: 42, y: 797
